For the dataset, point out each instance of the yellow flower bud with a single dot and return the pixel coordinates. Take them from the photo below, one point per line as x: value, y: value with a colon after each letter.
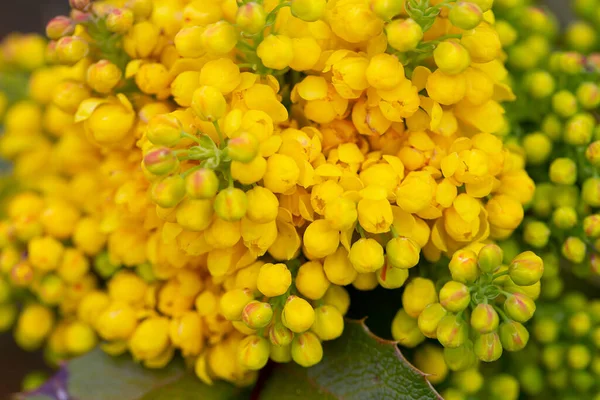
x: 150, y: 339
x: 306, y: 349
x: 404, y: 35
x: 430, y: 318
x: 222, y: 74
x: 452, y: 331
x: 366, y: 255
x: 253, y: 352
x: 276, y: 51
x: 311, y: 280
x: 274, y: 279
x: 257, y: 314
x: 59, y: 26
x: 161, y: 161
x: 402, y: 252
x: 482, y: 43
x: 418, y: 294
x: 484, y: 319
x: 71, y: 49
x: 282, y: 173
x: 231, y: 204
x: 243, y: 148
x: 329, y: 323
x: 208, y: 103
x: 430, y: 360
x: 446, y: 89
x: 188, y: 42
x: 308, y: 10
x: 454, y: 296
x: 232, y: 303
x: 405, y: 330
x: 194, y: 214
x: 119, y: 20
x: 117, y: 321
x: 465, y: 15
x: 320, y: 240
x: 103, y: 76
x: 219, y: 38
x: 590, y: 192
x: 526, y: 269
x: 251, y: 18
x: 298, y: 315
x: 169, y: 191
x: 451, y: 57
x: 384, y: 71
x: 504, y: 212
x: 45, y: 253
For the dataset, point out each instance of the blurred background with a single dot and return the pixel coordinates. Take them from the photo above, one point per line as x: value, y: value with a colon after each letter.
x: 32, y: 16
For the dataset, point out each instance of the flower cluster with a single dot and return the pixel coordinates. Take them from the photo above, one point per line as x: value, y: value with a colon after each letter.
x: 203, y: 178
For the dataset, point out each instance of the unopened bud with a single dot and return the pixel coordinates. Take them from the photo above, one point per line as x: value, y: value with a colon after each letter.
x: 574, y: 249
x: 280, y: 335
x: 487, y: 347
x: 306, y: 349
x: 119, y: 20
x: 253, y: 352
x: 430, y: 318
x: 103, y: 76
x: 526, y: 269
x: 243, y: 148
x: 490, y: 257
x: 59, y: 26
x: 592, y: 153
x: 208, y: 103
x: 588, y: 95
x: 21, y: 275
x: 71, y: 49
x: 402, y: 252
x: 463, y: 266
x: 231, y: 204
x: 564, y: 217
x: 251, y: 18
x: 161, y: 161
x: 513, y: 336
x: 168, y: 192
x: 454, y: 296
x: 590, y: 192
x: 164, y: 130
x: 452, y: 331
x: 484, y: 319
x: 386, y: 9
x: 578, y: 356
x: 465, y: 15
x: 232, y: 303
x: 329, y: 323
x: 202, y: 184
x: 460, y: 358
x: 519, y: 307
x: 404, y: 35
x: 308, y: 10
x: 257, y: 314
x: 80, y: 5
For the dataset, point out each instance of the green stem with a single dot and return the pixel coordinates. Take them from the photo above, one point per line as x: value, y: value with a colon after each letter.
x: 361, y: 231
x: 499, y: 275
x: 192, y: 137
x: 218, y: 129
x: 501, y: 313
x: 191, y: 171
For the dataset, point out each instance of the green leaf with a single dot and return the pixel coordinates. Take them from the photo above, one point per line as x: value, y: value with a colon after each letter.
x: 98, y: 376
x: 357, y: 366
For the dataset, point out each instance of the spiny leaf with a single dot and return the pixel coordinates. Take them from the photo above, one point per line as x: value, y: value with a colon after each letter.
x: 98, y: 376
x: 357, y: 366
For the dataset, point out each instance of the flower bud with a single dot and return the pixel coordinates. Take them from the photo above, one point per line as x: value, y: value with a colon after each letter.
x: 553, y: 356
x: 546, y: 330
x: 80, y: 5
x: 538, y: 147
x: 164, y: 130
x: 188, y: 42
x: 592, y: 153
x: 536, y: 234
x: 390, y: 277
x: 281, y: 354
x: 71, y: 49
x: 465, y: 15
x: 564, y: 217
x: 386, y: 9
x: 578, y: 356
x: 366, y: 255
x: 233, y: 302
x: 103, y: 76
x: 68, y: 95
x: 208, y: 103
x: 487, y: 347
x: 489, y: 258
x: 418, y: 294
x: 273, y: 279
x: 404, y: 35
x: 563, y: 171
x: 306, y: 349
x: 564, y: 103
x: 161, y: 161
x: 513, y: 335
x: 574, y: 249
x: 452, y: 331
x: 341, y: 213
x: 460, y: 358
x: 590, y: 192
x: 454, y: 296
x: 519, y: 307
x: 526, y: 269
x: 402, y: 252
x: 59, y: 26
x: 276, y: 51
x: 243, y: 148
x: 280, y: 335
x: 308, y: 10
x: 579, y: 129
x: 588, y: 95
x: 202, y: 184
x: 298, y: 315
x: 251, y: 18
x: 430, y: 318
x: 253, y: 352
x: 169, y: 191
x: 451, y: 57
x: 405, y: 330
x: 231, y: 204
x: 219, y: 38
x: 257, y: 314
x: 119, y: 20
x: 484, y: 319
x: 579, y: 324
x: 591, y: 225
x: 329, y: 323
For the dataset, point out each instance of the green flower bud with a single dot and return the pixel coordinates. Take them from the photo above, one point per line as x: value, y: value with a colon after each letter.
x: 487, y: 347
x: 308, y: 10
x: 580, y: 324
x: 161, y: 161
x: 402, y: 252
x: 257, y: 314
x: 429, y: 319
x: 484, y: 5
x: 251, y: 18
x: 469, y: 381
x: 465, y: 15
x: 490, y: 257
x: 329, y: 323
x: 460, y: 358
x: 452, y: 331
x: 463, y: 266
x: 590, y: 192
x: 532, y: 380
x: 390, y: 277
x: 484, y: 319
x: 455, y: 296
x: 579, y: 129
x: 253, y: 352
x: 563, y: 171
x: 574, y: 301
x: 513, y: 336
x: 243, y: 148
x: 564, y: 217
x: 591, y: 225
x: 580, y: 36
x: 280, y: 335
x: 103, y: 266
x: 574, y: 249
x: 504, y: 387
x: 552, y: 126
x: 5, y: 291
x: 545, y: 330
x: 558, y: 379
x: 531, y: 291
x: 578, y: 356
x: 595, y: 365
x: 538, y: 147
x: 588, y: 95
x: 33, y: 380
x: 536, y: 234
x: 519, y: 307
x: 405, y: 330
x: 169, y: 191
x: 592, y: 153
x: 551, y: 264
x: 582, y: 381
x: 202, y: 184
x: 386, y: 9
x: 565, y: 196
x: 306, y: 349
x: 231, y: 204
x: 553, y: 356
x: 281, y: 354
x: 540, y: 84
x: 526, y: 269
x: 564, y: 103
x: 164, y: 130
